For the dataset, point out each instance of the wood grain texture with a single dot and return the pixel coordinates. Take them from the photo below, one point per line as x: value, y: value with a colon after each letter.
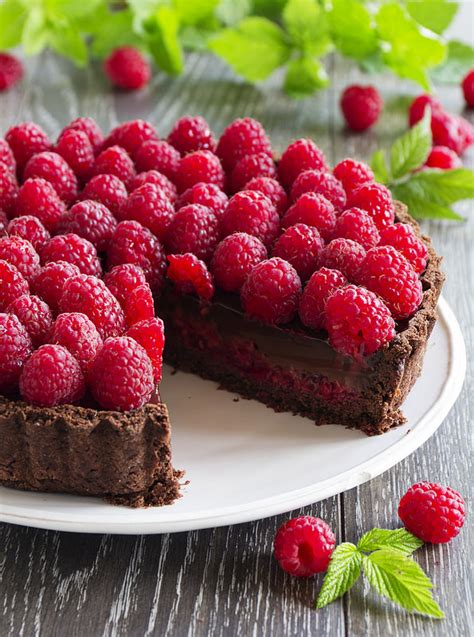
x: 225, y: 581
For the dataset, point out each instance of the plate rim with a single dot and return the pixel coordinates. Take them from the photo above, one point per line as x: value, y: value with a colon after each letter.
x: 310, y: 494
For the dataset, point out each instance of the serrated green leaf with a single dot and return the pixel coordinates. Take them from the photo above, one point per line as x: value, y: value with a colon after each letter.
x: 69, y: 9
x: 254, y: 49
x: 65, y: 39
x: 397, y: 539
x: 459, y: 60
x: 445, y: 186
x: 304, y: 76
x: 402, y: 580
x: 435, y: 15
x: 352, y: 29
x: 35, y: 32
x: 119, y: 32
x: 343, y: 571
x: 411, y: 150
x: 143, y: 9
x: 12, y: 18
x: 268, y: 8
x: 378, y: 163
x: 420, y: 206
x: 230, y: 12
x: 162, y: 29
x: 192, y: 12
x: 307, y: 26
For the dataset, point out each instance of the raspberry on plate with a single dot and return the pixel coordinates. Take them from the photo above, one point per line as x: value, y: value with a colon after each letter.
x: 358, y: 225
x: 252, y: 212
x: 157, y: 179
x: 468, y: 88
x: 301, y: 155
x: 315, y: 295
x: 74, y: 146
x: 403, y: 238
x: 234, y: 258
x: 432, y: 512
x: 157, y: 155
x: 150, y: 334
x: 303, y: 546
x: 300, y: 245
x: 7, y: 157
x: 8, y: 189
x: 208, y: 195
x: 29, y: 228
x: 123, y: 279
x: 376, y: 200
x: 190, y: 134
x: 190, y: 275
x: 37, y: 197
x: 108, y: 190
x: 78, y: 334
x: 115, y: 160
x: 344, y: 255
x: 150, y: 206
x: 197, y: 167
x: 361, y: 106
x: 51, y: 376
x: 352, y: 174
x: 194, y: 229
x: 314, y: 210
x: 25, y: 140
x: 139, y: 306
x: 127, y: 68
x: 90, y: 127
x: 52, y: 167
x: 272, y: 189
x: 130, y: 135
x: 11, y: 71
x: 250, y: 167
x: 50, y: 281
x: 20, y: 253
x: 242, y: 137
x: 35, y: 315
x: 271, y: 292
x: 443, y: 157
x: 15, y: 348
x: 73, y: 249
x: 386, y: 272
x: 121, y: 375
x: 12, y: 284
x: 418, y: 107
x: 90, y: 296
x: 321, y: 183
x: 358, y: 322
x: 90, y: 220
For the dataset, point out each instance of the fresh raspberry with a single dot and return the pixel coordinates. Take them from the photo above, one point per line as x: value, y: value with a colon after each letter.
x: 272, y: 189
x: 190, y: 275
x: 123, y: 279
x: 90, y: 127
x: 8, y: 189
x: 361, y: 106
x: 387, y: 273
x: 418, y: 107
x: 31, y: 229
x: 53, y: 168
x: 468, y: 88
x: 251, y: 212
x: 150, y: 206
x: 11, y: 71
x: 190, y: 134
x: 90, y: 220
x: 352, y: 174
x: 315, y: 295
x: 132, y: 243
x: 90, y: 296
x: 358, y: 225
x: 321, y: 183
x: 131, y: 135
x: 73, y: 249
x: 271, y: 292
x: 20, y: 253
x: 50, y: 281
x: 300, y: 245
x: 26, y: 140
x: 51, y: 376
x: 376, y: 200
x: 358, y: 322
x: 127, y: 69
x: 108, y: 190
x: 344, y: 255
x: 121, y: 375
x: 7, y: 157
x: 115, y: 161
x: 74, y: 146
x: 249, y: 167
x: 157, y: 155
x: 466, y: 134
x: 403, y: 238
x: 446, y: 131
x: 303, y: 546
x: 242, y: 137
x: 35, y: 315
x: 312, y: 210
x: 197, y: 167
x: 194, y: 228
x: 157, y: 179
x: 443, y: 157
x: 432, y: 512
x: 204, y: 194
x: 233, y: 259
x: 139, y: 305
x: 15, y: 348
x: 38, y: 198
x: 12, y: 284
x: 3, y: 223
x: 78, y: 334
x: 150, y: 334
x: 301, y: 155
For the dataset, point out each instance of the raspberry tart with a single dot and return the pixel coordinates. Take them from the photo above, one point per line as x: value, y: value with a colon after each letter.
x: 287, y: 282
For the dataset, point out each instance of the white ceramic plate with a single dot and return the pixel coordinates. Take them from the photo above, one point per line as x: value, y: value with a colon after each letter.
x: 245, y: 462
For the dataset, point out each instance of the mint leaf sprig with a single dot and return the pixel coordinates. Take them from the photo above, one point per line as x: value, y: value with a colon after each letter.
x: 384, y: 556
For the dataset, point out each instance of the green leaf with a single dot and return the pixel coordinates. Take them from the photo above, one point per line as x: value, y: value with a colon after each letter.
x: 352, y: 29
x: 378, y: 163
x: 192, y: 12
x: 70, y: 9
x: 458, y: 62
x: 66, y: 40
x: 445, y: 186
x: 411, y: 150
x: 342, y: 573
x: 419, y: 203
x: 119, y: 32
x: 307, y: 26
x: 230, y: 12
x: 163, y: 42
x: 435, y: 15
x: 304, y: 76
x: 398, y: 539
x: 402, y: 580
x: 254, y: 49
x: 268, y: 8
x: 35, y: 32
x: 12, y: 18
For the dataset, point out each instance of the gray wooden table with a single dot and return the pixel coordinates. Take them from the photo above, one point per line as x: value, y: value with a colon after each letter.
x: 225, y: 581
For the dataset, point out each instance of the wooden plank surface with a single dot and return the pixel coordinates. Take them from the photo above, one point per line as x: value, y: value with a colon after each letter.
x: 225, y: 581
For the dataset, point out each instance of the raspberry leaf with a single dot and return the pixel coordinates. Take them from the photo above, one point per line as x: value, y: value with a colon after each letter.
x: 162, y: 30
x: 307, y: 27
x: 436, y: 18
x: 459, y: 61
x: 398, y: 540
x: 12, y: 18
x: 303, y: 76
x: 401, y: 580
x: 353, y: 29
x: 411, y: 150
x: 342, y: 573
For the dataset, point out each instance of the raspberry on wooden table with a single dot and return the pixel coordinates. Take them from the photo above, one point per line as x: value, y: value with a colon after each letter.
x: 358, y: 225
x: 127, y: 68
x: 20, y: 253
x: 194, y: 228
x: 157, y: 179
x: 8, y: 189
x: 31, y: 229
x: 376, y: 200
x: 242, y: 137
x: 15, y: 348
x: 272, y: 189
x: 403, y: 238
x: 197, y: 167
x: 352, y: 174
x: 252, y: 212
x: 443, y: 157
x: 157, y: 155
x: 208, y: 195
x: 468, y: 88
x: 446, y: 131
x: 90, y: 220
x: 466, y: 133
x: 344, y: 255
x: 52, y: 167
x: 234, y: 258
x: 139, y: 306
x: 130, y: 135
x: 123, y: 279
x: 150, y: 206
x: 51, y: 376
x: 121, y: 375
x: 418, y: 107
x: 301, y: 155
x: 12, y: 284
x: 250, y: 167
x: 25, y: 140
x: 190, y: 275
x: 315, y: 295
x: 74, y: 146
x: 78, y: 334
x: 303, y: 546
x: 90, y: 127
x: 150, y: 334
x: 11, y: 71
x: 190, y: 134
x: 314, y: 210
x: 321, y: 183
x: 7, y: 157
x: 361, y: 106
x: 115, y: 161
x: 302, y: 246
x: 37, y: 197
x: 73, y: 249
x: 50, y: 281
x: 35, y: 315
x: 108, y: 190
